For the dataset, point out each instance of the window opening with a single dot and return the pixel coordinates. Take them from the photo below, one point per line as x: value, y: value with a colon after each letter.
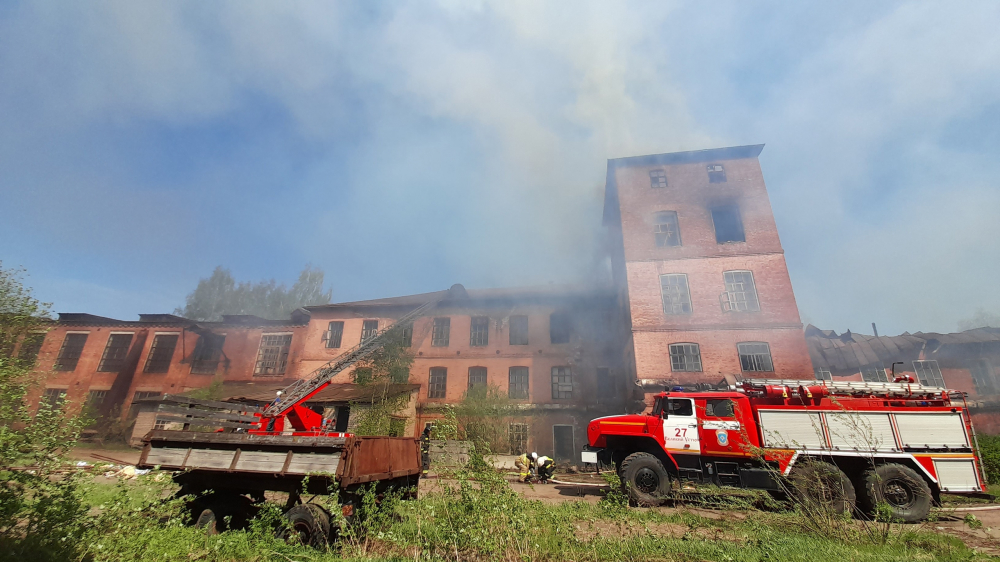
x: 406, y: 337
x: 741, y: 293
x: 441, y: 333
x: 755, y: 356
x: 874, y: 373
x: 607, y: 389
x: 728, y: 226
x: 272, y: 358
x: 657, y: 178
x: 369, y: 328
x: 928, y: 373
x: 666, y: 230
x: 716, y: 173
x: 518, y: 383
x: 518, y: 330
x: 676, y: 297
x: 54, y: 397
x: 477, y: 377
x: 823, y: 375
x: 560, y: 327
x: 479, y: 333
x: 114, y: 353
x: 562, y: 383
x: 160, y: 353
x: 983, y: 377
x: 30, y: 347
x: 685, y: 357
x: 206, y: 354
x: 334, y: 334
x: 437, y: 383
x: 517, y: 434
x: 96, y: 397
x: 69, y: 353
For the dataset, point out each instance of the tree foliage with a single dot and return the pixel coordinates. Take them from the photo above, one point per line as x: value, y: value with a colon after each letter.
x: 389, y: 365
x: 221, y: 294
x: 40, y: 514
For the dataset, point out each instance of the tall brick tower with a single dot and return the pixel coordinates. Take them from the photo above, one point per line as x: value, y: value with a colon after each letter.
x: 703, y: 287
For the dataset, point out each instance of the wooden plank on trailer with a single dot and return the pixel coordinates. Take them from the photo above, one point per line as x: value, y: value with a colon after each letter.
x: 210, y: 458
x: 212, y: 414
x: 245, y: 439
x: 304, y: 463
x: 166, y: 456
x: 200, y: 422
x: 237, y: 406
x: 260, y: 461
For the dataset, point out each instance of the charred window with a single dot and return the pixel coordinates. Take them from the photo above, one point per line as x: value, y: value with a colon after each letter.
x: 676, y: 297
x: 716, y: 173
x: 874, y: 373
x: 721, y: 408
x: 206, y: 354
x: 657, y: 178
x: 755, y: 357
x: 437, y: 383
x: 272, y: 357
x: 334, y: 334
x: 114, y: 353
x: 728, y: 226
x: 30, y: 346
x: 477, y: 377
x: 607, y: 389
x: 518, y: 383
x: 517, y: 434
x: 685, y: 357
x: 69, y: 353
x: 560, y: 327
x: 518, y: 330
x: 823, y: 375
x: 479, y: 332
x: 54, y: 398
x: 666, y: 230
x: 441, y: 332
x: 983, y: 377
x: 562, y: 383
x: 741, y: 293
x: 369, y: 328
x: 928, y: 373
x: 160, y: 353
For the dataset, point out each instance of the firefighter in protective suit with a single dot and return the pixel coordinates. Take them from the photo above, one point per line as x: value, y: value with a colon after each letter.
x: 544, y: 467
x: 523, y: 467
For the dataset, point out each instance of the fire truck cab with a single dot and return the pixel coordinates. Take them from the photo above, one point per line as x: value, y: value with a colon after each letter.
x: 855, y: 444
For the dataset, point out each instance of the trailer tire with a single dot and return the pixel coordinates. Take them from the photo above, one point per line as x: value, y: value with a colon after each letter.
x: 645, y: 480
x: 817, y: 484
x: 905, y: 492
x: 309, y: 523
x: 217, y: 513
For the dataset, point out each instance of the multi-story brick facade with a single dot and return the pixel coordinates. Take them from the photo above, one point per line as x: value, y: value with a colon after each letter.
x: 699, y: 270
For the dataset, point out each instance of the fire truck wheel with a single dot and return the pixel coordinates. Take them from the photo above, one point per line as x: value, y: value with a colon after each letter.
x: 900, y: 489
x: 309, y: 523
x: 822, y: 485
x: 645, y: 479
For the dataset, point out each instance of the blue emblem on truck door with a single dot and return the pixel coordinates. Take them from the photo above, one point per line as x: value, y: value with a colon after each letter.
x: 723, y: 436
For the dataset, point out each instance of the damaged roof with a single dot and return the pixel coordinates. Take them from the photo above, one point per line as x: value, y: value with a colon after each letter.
x: 458, y: 294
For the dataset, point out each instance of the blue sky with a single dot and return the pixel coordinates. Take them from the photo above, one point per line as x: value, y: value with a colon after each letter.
x: 405, y: 146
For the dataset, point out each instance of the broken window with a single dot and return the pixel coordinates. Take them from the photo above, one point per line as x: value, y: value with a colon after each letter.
x: 160, y: 353
x: 874, y: 373
x: 560, y: 327
x: 666, y: 230
x: 562, y: 383
x: 69, y: 353
x: 441, y: 332
x: 983, y: 377
x: 30, y: 346
x: 607, y: 389
x: 755, y: 356
x: 728, y: 226
x: 334, y: 334
x: 205, y: 357
x: 823, y: 375
x: 657, y: 178
x: 272, y: 358
x: 517, y: 434
x: 114, y: 353
x: 479, y: 333
x: 518, y: 330
x: 685, y: 357
x: 369, y: 328
x: 437, y: 383
x: 716, y: 173
x: 676, y: 297
x: 477, y: 377
x: 741, y: 293
x: 518, y: 383
x: 928, y: 373
x: 54, y: 398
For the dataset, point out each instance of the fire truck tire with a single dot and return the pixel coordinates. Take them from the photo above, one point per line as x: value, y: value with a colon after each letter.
x: 821, y: 484
x: 308, y: 522
x: 906, y: 494
x: 645, y: 480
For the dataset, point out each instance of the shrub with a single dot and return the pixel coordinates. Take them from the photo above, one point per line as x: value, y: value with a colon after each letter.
x: 989, y: 449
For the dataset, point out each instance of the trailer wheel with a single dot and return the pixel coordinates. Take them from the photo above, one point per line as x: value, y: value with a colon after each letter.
x: 309, y: 523
x: 899, y: 487
x: 822, y: 485
x: 645, y: 480
x: 217, y: 513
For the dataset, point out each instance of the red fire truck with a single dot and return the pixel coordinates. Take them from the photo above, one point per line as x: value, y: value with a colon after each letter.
x: 851, y: 445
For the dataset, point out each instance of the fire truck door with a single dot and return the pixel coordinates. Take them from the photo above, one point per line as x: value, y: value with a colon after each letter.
x: 720, y: 430
x: 680, y: 426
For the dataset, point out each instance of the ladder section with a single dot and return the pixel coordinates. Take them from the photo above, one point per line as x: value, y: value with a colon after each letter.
x: 852, y: 388
x: 302, y: 388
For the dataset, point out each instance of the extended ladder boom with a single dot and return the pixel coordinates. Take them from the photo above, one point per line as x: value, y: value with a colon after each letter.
x: 303, y: 389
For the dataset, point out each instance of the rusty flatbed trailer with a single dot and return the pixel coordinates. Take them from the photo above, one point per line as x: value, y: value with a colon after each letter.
x: 229, y: 472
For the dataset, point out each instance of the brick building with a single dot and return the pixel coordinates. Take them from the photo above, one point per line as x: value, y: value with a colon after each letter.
x: 698, y: 270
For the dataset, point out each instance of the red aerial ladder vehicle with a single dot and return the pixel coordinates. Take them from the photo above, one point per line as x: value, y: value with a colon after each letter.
x: 900, y: 443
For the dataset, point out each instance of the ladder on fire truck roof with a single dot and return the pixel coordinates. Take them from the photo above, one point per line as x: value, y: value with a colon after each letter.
x: 302, y: 388
x: 854, y: 388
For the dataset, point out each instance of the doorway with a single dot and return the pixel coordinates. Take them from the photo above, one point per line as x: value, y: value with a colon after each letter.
x: 562, y: 439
